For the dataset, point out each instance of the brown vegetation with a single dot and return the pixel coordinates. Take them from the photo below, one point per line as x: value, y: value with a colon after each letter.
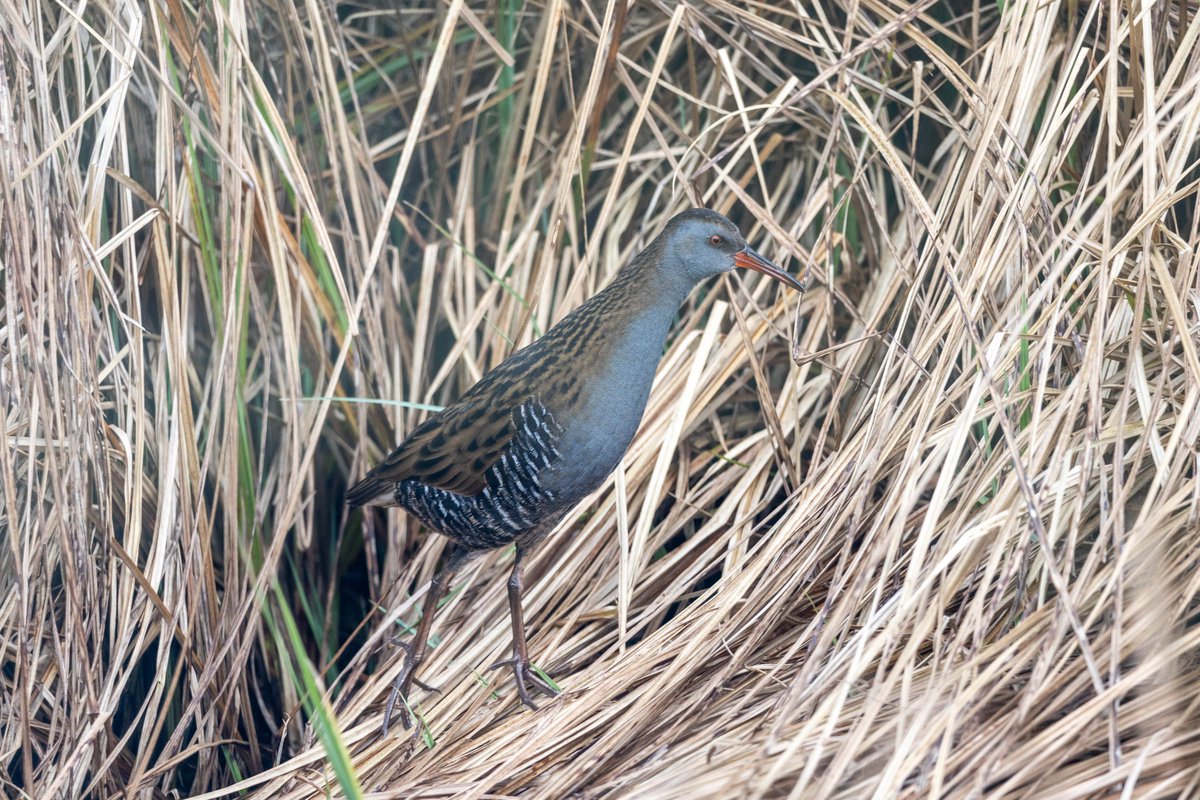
x: 928, y: 530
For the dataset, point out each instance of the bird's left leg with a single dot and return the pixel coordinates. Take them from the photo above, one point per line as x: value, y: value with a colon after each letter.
x: 415, y: 653
x: 524, y: 674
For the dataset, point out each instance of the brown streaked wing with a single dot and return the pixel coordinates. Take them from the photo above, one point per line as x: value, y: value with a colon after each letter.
x: 453, y: 450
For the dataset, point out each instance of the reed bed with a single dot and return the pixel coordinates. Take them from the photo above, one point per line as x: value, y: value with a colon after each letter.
x: 928, y: 530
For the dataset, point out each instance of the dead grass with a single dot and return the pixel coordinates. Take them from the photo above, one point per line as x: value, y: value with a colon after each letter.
x: 929, y: 530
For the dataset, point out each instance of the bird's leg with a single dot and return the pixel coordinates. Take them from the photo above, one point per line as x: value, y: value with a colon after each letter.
x: 523, y: 673
x: 407, y: 647
x: 415, y: 652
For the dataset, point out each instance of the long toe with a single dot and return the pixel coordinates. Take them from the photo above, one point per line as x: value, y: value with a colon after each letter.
x: 408, y: 654
x: 504, y: 662
x: 397, y: 690
x: 541, y: 684
x: 402, y: 688
x: 528, y: 677
x: 522, y: 691
x: 427, y: 687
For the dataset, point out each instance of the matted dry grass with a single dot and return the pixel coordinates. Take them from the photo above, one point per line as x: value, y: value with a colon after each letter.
x: 928, y: 530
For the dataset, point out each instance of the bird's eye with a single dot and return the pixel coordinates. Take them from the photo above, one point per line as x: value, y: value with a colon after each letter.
x: 715, y: 240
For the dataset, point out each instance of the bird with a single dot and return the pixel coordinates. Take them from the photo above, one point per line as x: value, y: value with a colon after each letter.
x: 543, y: 429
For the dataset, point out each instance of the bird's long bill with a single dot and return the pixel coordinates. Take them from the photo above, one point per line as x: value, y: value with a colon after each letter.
x: 748, y: 259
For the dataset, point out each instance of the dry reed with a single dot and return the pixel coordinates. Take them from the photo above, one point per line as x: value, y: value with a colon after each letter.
x: 929, y: 530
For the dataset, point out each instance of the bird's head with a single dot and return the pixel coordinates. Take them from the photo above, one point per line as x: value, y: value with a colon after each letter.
x: 700, y: 243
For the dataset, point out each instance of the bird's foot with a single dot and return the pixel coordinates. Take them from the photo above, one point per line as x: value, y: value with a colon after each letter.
x: 526, y: 676
x: 407, y: 647
x: 402, y: 687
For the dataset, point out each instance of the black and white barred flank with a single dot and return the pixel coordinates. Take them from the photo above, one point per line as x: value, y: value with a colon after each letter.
x: 513, y: 501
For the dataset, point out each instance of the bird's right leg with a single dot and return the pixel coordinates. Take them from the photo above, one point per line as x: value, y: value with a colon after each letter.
x: 415, y: 652
x: 522, y: 670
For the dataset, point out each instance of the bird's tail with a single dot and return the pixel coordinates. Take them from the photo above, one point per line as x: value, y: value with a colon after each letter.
x: 370, y: 491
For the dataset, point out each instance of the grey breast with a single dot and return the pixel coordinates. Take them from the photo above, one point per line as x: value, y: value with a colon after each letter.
x: 599, y: 432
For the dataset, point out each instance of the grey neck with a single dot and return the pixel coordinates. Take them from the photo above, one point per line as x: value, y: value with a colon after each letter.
x: 658, y: 288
